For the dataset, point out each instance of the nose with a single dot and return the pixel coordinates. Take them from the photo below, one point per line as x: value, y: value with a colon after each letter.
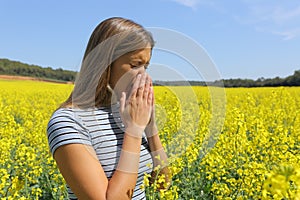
x: 141, y: 69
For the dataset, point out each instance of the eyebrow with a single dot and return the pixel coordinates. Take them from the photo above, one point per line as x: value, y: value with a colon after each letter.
x: 140, y: 61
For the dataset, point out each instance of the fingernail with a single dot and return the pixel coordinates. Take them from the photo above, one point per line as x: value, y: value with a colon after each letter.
x: 139, y: 75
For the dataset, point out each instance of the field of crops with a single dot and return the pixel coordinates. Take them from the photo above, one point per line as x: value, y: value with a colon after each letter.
x: 254, y: 155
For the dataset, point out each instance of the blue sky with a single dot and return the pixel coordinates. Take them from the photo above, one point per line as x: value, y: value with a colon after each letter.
x: 245, y: 39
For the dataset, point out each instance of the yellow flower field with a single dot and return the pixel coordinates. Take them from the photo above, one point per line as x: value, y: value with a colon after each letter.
x: 255, y: 156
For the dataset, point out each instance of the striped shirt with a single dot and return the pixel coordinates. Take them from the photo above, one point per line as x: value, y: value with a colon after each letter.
x: 102, y: 129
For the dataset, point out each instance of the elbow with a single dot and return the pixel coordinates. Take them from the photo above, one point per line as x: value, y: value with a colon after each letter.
x: 111, y: 195
x: 121, y: 186
x: 91, y: 197
x: 119, y: 194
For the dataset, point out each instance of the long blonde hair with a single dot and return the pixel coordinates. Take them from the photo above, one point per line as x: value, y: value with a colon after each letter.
x: 111, y: 39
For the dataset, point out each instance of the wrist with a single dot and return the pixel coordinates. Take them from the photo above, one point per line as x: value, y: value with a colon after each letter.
x: 159, y: 158
x: 128, y: 162
x: 135, y: 130
x: 151, y: 130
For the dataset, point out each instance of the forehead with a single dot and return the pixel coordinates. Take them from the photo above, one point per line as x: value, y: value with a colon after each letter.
x: 142, y: 54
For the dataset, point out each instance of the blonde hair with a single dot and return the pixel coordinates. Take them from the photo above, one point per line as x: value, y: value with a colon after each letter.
x: 111, y: 39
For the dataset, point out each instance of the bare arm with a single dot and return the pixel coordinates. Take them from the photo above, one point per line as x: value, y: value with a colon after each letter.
x: 86, y: 177
x: 80, y: 167
x: 156, y: 149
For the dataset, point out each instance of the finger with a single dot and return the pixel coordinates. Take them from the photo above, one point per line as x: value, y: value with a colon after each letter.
x: 122, y: 102
x: 141, y: 87
x: 153, y: 105
x: 137, y: 81
x: 153, y: 97
x: 152, y: 93
x: 147, y: 88
x: 151, y: 82
x: 150, y: 96
x: 135, y: 85
x: 143, y: 80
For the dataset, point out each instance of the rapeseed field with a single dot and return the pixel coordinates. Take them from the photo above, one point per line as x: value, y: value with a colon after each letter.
x: 254, y: 155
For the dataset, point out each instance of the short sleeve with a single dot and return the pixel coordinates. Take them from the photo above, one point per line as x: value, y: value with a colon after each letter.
x: 64, y: 127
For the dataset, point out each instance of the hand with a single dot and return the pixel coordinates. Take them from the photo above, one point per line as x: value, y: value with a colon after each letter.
x: 151, y: 128
x: 136, y: 110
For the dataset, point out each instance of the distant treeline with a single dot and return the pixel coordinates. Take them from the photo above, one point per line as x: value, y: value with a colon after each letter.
x: 15, y: 68
x: 293, y: 80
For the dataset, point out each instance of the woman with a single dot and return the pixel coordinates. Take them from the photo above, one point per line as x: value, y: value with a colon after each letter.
x: 104, y: 136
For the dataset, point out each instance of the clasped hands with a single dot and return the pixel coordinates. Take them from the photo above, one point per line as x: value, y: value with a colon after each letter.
x: 137, y: 109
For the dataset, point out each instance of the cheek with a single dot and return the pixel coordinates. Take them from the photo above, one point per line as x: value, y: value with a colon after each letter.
x: 117, y: 72
x: 124, y: 79
x: 128, y: 77
x: 127, y: 72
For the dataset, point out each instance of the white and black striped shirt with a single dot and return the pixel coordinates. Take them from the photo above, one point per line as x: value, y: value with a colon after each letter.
x: 102, y: 129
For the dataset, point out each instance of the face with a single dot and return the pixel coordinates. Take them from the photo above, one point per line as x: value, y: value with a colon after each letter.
x: 127, y: 67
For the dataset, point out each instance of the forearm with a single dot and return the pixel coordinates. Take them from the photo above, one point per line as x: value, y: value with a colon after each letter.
x: 154, y: 143
x: 123, y: 181
x: 157, y: 150
x: 160, y: 162
x: 135, y: 113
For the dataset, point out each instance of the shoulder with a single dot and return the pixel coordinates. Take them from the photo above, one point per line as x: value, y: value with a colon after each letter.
x: 66, y: 127
x: 60, y: 118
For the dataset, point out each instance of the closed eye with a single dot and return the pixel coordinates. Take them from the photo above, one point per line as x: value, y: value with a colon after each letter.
x: 133, y: 66
x: 138, y: 66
